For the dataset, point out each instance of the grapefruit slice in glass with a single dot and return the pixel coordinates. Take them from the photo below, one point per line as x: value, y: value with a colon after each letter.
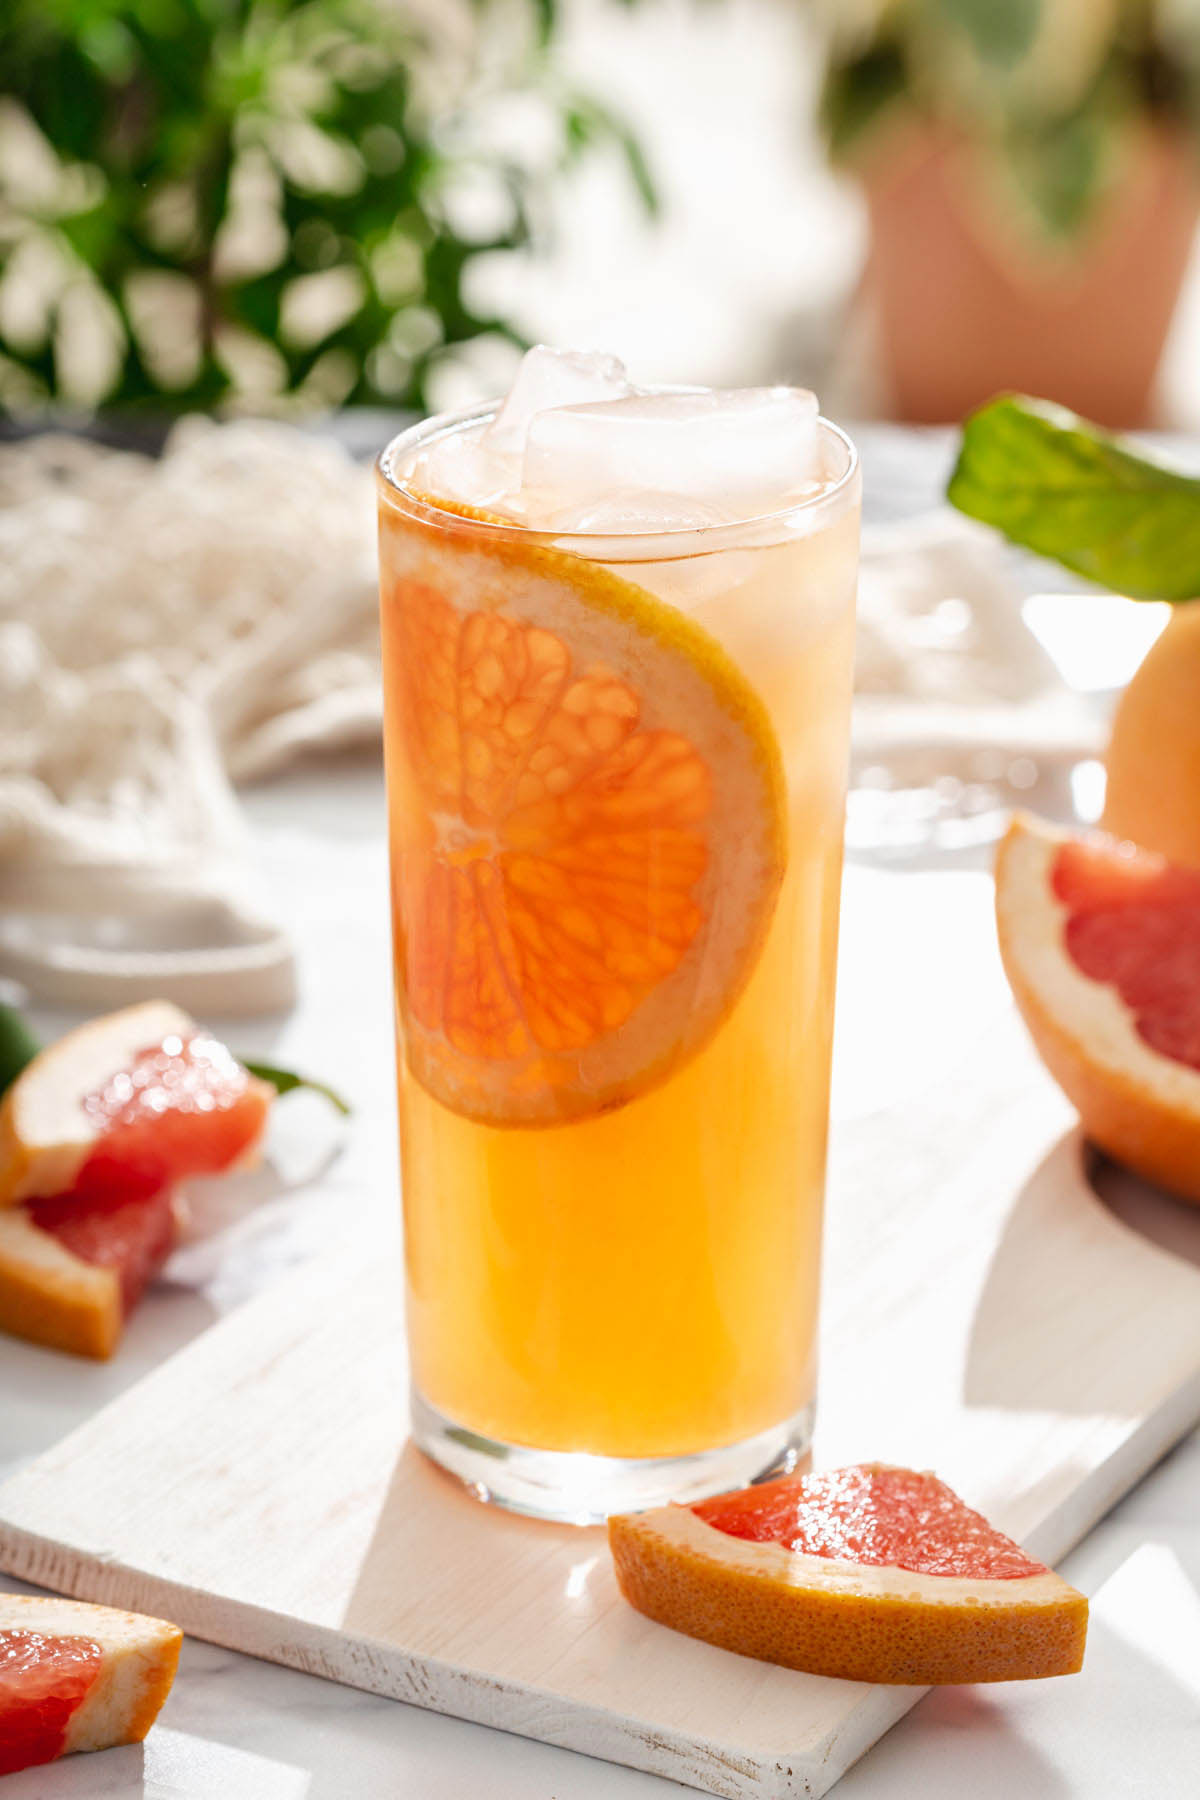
x: 869, y: 1573
x: 1101, y: 945
x: 588, y: 826
x: 77, y: 1677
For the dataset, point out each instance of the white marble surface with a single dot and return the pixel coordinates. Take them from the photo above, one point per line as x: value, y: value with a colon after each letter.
x: 235, y: 1729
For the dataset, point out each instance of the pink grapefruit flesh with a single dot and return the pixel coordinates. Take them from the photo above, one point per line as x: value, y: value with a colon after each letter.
x: 183, y: 1107
x: 1133, y: 921
x: 878, y: 1516
x: 132, y: 1237
x: 43, y: 1681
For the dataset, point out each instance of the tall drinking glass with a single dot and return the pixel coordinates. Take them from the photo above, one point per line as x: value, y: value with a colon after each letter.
x: 616, y: 772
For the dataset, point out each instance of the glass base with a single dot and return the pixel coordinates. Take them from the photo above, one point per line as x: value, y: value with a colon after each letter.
x: 574, y: 1488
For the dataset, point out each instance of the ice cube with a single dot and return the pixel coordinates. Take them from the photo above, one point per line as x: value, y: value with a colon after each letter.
x: 744, y: 450
x: 462, y: 466
x: 550, y: 378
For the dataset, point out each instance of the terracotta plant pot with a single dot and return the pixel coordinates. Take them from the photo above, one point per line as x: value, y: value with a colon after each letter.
x: 966, y: 302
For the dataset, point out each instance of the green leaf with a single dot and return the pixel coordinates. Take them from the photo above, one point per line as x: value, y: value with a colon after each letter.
x: 587, y: 122
x: 18, y: 1046
x: 1001, y: 31
x: 1060, y: 169
x: 640, y: 172
x: 177, y: 102
x: 1056, y: 484
x: 858, y: 94
x: 545, y: 18
x: 284, y: 1081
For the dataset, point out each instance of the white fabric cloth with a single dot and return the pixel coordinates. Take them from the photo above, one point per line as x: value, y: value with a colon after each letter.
x: 171, y: 627
x: 166, y: 628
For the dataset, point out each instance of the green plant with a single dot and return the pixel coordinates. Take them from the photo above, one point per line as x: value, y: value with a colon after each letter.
x: 208, y: 202
x: 1098, y: 504
x: 1053, y: 88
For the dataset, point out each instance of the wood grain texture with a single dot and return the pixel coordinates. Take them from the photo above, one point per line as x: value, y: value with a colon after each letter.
x: 986, y: 1316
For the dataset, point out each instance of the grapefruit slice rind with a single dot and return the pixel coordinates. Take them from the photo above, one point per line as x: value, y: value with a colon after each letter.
x: 858, y: 1621
x: 590, y: 826
x: 77, y: 1677
x: 1136, y: 1103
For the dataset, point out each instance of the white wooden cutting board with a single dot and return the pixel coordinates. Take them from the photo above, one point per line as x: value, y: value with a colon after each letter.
x: 986, y: 1316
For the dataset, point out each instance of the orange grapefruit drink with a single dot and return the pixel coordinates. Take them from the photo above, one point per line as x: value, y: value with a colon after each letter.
x: 615, y: 764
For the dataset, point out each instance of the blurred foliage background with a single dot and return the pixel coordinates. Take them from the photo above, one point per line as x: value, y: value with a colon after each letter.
x: 1052, y: 88
x: 288, y: 205
x: 269, y: 202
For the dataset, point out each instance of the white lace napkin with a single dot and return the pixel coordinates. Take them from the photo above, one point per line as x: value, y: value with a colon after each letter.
x: 171, y: 627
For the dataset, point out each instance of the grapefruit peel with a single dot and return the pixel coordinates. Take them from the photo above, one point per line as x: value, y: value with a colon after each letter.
x: 591, y: 826
x: 1140, y: 1106
x: 855, y: 1620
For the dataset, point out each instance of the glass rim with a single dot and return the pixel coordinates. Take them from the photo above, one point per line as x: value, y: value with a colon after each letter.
x: 728, y: 534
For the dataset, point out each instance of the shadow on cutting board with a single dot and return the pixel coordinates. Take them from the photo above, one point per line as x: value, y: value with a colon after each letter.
x: 1103, y: 1300
x: 435, y: 1553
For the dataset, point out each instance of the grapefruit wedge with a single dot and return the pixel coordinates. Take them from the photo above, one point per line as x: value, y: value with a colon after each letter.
x: 94, y: 1133
x: 588, y: 826
x: 1101, y: 945
x: 125, y: 1104
x: 869, y: 1573
x: 73, y: 1268
x: 76, y: 1677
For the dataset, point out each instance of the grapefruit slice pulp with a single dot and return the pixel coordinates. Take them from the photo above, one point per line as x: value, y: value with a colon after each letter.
x: 870, y: 1573
x: 77, y: 1677
x: 588, y: 826
x: 1101, y: 945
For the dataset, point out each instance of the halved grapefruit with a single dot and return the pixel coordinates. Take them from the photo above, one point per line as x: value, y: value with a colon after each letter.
x: 76, y: 1677
x: 1101, y: 945
x: 588, y: 826
x: 125, y: 1104
x: 870, y: 1573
